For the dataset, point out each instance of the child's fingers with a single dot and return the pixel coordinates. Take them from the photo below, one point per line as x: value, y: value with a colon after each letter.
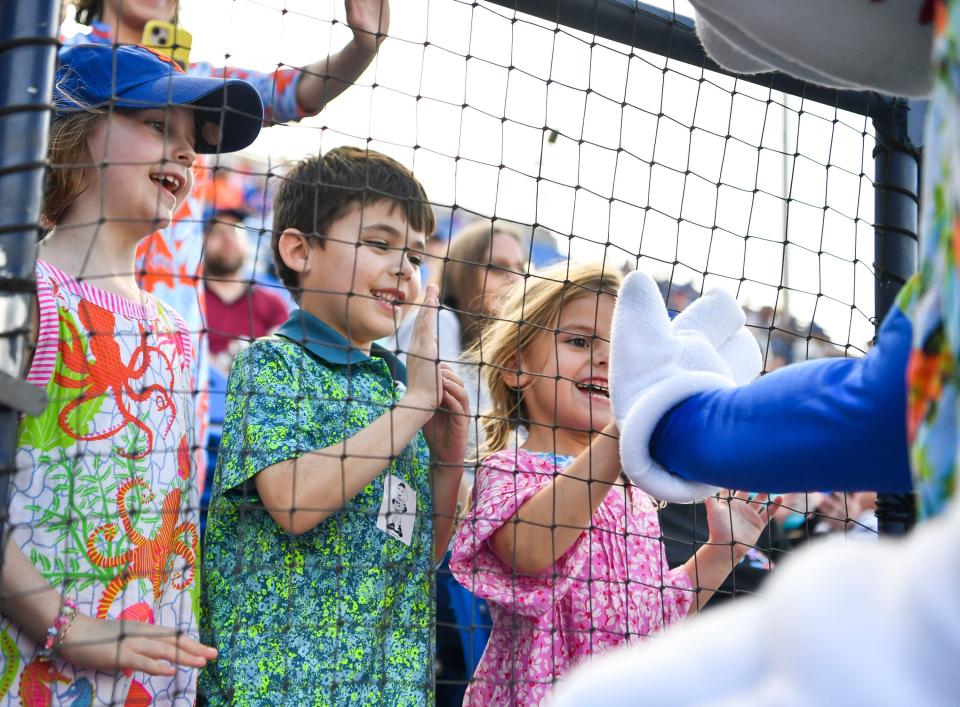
x: 458, y: 392
x: 161, y: 652
x: 137, y: 660
x: 425, y: 324
x: 450, y: 374
x: 163, y: 642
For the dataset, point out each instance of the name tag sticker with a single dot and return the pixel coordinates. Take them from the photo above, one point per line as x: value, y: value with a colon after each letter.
x: 398, y: 510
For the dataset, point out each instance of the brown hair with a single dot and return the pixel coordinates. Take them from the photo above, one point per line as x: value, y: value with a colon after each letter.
x: 68, y: 159
x: 318, y: 190
x: 530, y: 311
x: 463, y: 278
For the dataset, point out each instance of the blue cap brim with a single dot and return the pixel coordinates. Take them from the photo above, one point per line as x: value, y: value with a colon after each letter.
x: 228, y: 109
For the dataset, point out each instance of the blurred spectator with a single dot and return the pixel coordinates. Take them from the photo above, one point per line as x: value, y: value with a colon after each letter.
x: 237, y: 309
x: 808, y: 515
x: 482, y: 263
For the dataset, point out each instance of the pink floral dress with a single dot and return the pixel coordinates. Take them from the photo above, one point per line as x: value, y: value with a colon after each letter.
x: 613, y: 586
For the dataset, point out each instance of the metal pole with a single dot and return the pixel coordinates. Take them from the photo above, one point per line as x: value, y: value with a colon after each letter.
x: 896, y: 227
x: 28, y: 52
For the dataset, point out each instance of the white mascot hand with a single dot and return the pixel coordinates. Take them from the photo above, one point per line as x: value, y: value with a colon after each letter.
x: 656, y: 364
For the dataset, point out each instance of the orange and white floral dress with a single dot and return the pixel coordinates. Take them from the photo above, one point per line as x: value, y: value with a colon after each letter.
x: 104, y: 498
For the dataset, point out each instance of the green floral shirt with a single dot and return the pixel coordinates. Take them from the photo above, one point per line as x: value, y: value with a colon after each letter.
x: 343, y: 614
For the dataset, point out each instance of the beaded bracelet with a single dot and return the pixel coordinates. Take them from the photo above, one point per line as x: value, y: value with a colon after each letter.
x: 58, y: 632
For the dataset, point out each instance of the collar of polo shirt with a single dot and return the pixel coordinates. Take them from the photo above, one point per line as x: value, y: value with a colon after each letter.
x: 327, y: 344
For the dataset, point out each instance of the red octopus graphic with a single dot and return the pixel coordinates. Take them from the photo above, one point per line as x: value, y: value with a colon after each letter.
x: 108, y: 373
x: 149, y: 558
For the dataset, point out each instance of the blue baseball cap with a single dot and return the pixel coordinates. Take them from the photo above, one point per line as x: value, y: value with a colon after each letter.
x: 229, y: 111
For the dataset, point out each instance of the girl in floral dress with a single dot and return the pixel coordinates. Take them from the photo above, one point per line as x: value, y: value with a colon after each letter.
x: 98, y: 577
x: 566, y: 552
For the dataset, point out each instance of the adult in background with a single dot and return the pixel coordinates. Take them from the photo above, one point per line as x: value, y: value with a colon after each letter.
x: 238, y: 309
x: 169, y: 261
x: 483, y: 263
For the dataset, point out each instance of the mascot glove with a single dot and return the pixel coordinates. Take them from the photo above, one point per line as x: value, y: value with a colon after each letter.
x: 656, y: 364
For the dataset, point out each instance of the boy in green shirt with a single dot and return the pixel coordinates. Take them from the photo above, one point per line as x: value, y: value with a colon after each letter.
x: 336, y: 483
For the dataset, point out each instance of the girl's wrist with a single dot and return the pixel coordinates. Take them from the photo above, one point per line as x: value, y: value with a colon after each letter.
x: 724, y: 554
x: 57, y: 632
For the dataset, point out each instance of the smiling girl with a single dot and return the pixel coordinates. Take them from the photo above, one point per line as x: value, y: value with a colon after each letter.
x: 564, y: 549
x: 99, y: 573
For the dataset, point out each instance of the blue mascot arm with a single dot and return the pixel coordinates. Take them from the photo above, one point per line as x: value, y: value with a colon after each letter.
x: 825, y: 425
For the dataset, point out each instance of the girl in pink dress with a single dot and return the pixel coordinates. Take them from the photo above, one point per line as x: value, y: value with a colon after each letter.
x: 566, y: 552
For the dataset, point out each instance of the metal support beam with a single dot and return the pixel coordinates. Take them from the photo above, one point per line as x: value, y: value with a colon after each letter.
x: 896, y: 228
x: 659, y: 31
x: 28, y: 52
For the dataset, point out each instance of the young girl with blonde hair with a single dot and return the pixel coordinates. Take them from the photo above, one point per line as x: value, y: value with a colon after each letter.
x: 566, y: 551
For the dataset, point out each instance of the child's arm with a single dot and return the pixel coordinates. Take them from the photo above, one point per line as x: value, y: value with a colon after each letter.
x: 324, y: 80
x: 549, y: 523
x: 735, y: 524
x: 102, y: 644
x: 301, y: 493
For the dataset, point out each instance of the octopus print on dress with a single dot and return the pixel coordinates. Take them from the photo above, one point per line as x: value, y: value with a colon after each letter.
x: 611, y: 587
x: 104, y: 496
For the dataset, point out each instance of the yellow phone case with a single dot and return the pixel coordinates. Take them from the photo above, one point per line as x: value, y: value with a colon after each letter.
x: 170, y: 39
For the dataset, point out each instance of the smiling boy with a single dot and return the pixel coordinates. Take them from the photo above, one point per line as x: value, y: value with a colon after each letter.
x: 316, y: 590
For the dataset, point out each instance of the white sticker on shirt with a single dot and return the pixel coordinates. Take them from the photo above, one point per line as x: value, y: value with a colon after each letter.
x: 398, y: 510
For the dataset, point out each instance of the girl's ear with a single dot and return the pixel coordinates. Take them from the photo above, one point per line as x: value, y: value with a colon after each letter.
x: 294, y: 248
x: 515, y: 373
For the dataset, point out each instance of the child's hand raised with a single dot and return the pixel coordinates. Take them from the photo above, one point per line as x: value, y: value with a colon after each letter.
x: 737, y: 519
x: 446, y: 433
x: 111, y: 646
x: 369, y: 20
x: 424, y: 377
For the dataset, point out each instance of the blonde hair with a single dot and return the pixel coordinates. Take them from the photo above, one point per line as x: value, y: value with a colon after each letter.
x: 68, y: 160
x: 531, y: 310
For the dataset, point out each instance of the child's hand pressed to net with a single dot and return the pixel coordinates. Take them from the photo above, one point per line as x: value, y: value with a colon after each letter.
x: 424, y: 376
x: 110, y: 646
x: 736, y: 519
x: 369, y: 20
x: 446, y: 432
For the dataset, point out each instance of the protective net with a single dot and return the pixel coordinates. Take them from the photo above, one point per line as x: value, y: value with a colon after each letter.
x: 556, y: 161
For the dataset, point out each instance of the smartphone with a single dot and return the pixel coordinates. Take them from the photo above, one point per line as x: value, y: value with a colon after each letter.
x: 169, y: 39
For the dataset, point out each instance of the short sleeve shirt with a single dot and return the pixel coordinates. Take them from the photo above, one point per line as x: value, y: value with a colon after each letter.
x: 343, y: 613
